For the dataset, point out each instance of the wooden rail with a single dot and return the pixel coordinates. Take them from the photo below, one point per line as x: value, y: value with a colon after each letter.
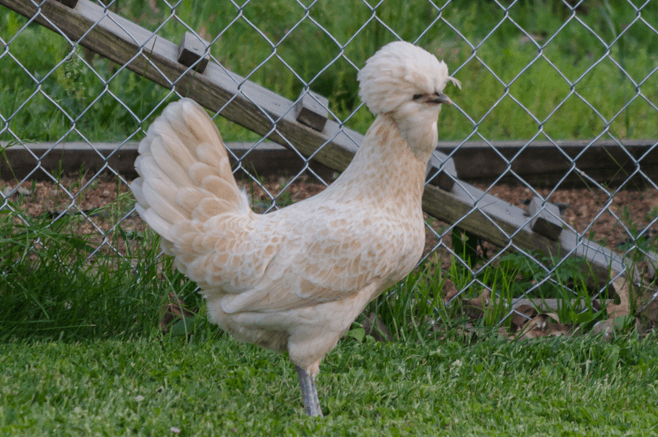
x: 543, y: 164
x: 27, y: 161
x: 271, y: 115
x: 475, y: 162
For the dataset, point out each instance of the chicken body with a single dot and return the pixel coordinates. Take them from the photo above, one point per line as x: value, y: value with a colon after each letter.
x: 317, y: 263
x: 293, y: 280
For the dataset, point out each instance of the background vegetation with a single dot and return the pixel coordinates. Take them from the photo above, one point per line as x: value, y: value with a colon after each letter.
x: 537, y: 65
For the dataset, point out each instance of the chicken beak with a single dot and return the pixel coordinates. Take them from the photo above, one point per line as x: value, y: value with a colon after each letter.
x: 439, y: 97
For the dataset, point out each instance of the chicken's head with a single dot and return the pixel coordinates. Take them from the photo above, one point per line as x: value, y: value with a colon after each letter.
x: 406, y: 82
x: 401, y: 72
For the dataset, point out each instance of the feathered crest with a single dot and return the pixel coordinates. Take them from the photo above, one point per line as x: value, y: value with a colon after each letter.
x: 398, y: 71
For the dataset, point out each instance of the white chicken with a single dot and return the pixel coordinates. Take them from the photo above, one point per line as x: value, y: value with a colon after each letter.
x: 295, y: 279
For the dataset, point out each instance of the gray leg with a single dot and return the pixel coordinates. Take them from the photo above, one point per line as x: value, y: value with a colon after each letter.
x: 309, y: 393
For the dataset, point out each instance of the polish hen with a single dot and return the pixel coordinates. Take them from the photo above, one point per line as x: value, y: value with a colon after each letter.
x: 295, y: 279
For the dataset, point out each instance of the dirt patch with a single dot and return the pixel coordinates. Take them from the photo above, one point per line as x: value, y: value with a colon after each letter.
x: 607, y: 219
x: 106, y: 202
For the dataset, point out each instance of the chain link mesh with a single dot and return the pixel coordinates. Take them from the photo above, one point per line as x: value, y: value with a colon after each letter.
x: 63, y: 92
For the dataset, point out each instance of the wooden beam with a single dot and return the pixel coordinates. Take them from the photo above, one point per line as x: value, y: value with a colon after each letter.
x: 541, y: 163
x: 441, y: 172
x: 442, y: 180
x: 241, y: 101
x: 36, y: 161
x: 498, y: 222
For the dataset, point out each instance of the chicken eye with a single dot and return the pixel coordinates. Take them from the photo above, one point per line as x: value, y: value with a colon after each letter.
x: 418, y: 96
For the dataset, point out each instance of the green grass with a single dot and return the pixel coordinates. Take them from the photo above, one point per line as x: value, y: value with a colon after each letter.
x: 58, y: 283
x: 308, y: 49
x: 143, y: 387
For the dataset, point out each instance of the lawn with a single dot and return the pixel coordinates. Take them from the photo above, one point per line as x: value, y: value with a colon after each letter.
x: 151, y: 386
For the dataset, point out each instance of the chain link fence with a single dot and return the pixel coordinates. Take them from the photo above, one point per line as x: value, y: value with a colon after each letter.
x: 535, y: 72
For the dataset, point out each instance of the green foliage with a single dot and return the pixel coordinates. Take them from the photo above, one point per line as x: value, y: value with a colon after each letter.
x: 640, y: 240
x: 409, y: 308
x: 318, y: 60
x: 531, y: 273
x: 416, y: 307
x: 56, y: 284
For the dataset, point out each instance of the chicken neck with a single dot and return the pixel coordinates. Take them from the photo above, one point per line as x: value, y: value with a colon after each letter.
x: 385, y: 168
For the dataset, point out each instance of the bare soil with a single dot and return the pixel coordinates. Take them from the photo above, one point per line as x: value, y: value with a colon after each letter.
x: 598, y: 215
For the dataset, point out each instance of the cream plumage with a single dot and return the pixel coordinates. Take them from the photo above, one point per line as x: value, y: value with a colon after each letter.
x: 295, y: 279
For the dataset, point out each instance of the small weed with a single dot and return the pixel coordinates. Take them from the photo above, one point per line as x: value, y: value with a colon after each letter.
x: 284, y: 199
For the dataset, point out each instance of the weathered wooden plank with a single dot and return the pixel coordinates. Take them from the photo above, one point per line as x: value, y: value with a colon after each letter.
x: 545, y: 220
x: 543, y: 164
x: 311, y: 110
x: 156, y: 58
x: 442, y: 180
x: 496, y: 221
x: 442, y: 177
x: 239, y: 100
x: 35, y: 161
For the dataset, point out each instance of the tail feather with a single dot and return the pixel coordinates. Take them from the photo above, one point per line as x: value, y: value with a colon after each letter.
x: 160, y: 202
x: 209, y: 155
x: 168, y: 163
x: 157, y: 223
x: 136, y: 188
x: 184, y: 171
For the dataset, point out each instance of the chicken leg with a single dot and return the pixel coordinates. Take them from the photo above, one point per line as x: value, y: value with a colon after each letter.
x: 309, y: 393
